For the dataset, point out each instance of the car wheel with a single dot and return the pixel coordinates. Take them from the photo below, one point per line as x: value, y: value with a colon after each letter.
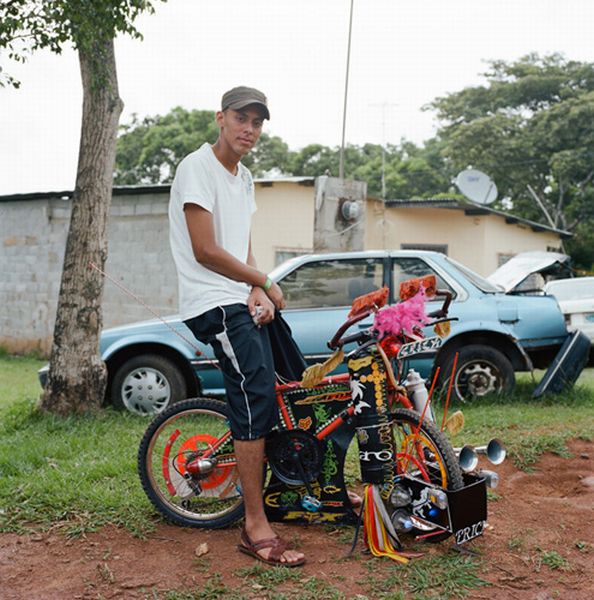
x: 481, y: 370
x: 147, y: 384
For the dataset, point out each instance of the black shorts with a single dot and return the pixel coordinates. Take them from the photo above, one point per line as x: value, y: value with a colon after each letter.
x: 244, y: 355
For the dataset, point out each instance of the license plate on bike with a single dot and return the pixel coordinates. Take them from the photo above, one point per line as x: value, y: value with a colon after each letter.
x: 419, y: 347
x: 468, y: 509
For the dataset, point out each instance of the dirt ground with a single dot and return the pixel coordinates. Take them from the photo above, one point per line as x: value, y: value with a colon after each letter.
x: 539, y: 545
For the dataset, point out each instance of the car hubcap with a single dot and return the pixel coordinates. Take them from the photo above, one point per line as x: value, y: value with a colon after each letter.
x: 146, y: 391
x: 477, y: 379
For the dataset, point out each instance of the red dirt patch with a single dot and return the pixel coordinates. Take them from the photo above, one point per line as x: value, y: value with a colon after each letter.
x: 539, y: 545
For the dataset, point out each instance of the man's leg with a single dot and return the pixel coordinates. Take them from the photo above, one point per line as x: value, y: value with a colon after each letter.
x: 246, y: 360
x: 250, y: 463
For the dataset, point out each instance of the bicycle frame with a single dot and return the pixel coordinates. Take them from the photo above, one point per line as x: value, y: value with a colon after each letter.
x: 333, y: 412
x: 406, y: 463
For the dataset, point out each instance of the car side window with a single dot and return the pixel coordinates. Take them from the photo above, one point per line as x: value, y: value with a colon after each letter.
x: 409, y: 268
x: 331, y: 283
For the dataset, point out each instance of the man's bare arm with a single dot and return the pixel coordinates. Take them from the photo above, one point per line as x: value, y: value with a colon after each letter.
x: 208, y: 253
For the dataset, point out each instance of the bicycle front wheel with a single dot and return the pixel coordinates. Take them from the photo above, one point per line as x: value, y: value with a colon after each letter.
x: 187, y: 465
x: 425, y: 453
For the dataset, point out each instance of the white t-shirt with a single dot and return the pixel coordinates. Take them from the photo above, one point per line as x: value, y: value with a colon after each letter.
x: 201, y: 179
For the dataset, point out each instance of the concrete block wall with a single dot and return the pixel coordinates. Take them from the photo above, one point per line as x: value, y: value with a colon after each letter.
x: 32, y: 241
x: 139, y: 258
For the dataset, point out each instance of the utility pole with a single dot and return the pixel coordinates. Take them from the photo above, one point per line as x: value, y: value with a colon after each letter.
x: 346, y: 90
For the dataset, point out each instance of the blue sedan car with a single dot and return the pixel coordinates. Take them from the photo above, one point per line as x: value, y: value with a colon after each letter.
x: 495, y: 334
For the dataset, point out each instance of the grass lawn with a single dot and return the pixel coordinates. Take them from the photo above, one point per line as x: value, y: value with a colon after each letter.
x: 18, y: 378
x: 79, y: 470
x: 82, y: 470
x: 530, y: 427
x: 79, y: 473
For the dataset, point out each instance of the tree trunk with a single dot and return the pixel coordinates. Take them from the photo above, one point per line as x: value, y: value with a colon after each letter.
x: 77, y: 376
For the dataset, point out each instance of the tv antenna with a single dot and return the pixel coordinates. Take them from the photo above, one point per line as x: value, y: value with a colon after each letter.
x: 476, y: 186
x: 384, y: 106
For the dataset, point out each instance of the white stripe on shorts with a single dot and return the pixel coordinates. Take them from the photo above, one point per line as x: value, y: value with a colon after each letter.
x: 223, y: 338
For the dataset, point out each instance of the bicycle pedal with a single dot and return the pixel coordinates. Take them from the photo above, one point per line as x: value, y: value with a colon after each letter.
x: 311, y: 504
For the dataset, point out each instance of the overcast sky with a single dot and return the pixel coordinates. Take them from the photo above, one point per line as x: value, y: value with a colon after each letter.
x: 404, y: 53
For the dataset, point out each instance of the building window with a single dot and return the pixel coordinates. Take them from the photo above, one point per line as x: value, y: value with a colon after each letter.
x: 283, y: 254
x: 443, y: 248
x: 502, y: 258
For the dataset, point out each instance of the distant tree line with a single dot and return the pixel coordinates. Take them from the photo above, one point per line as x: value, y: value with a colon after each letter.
x: 530, y: 124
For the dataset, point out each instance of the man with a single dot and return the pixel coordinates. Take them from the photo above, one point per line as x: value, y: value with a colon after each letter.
x: 224, y: 297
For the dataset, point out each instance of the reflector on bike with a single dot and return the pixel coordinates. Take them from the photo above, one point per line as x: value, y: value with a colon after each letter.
x: 369, y: 302
x: 390, y: 345
x: 411, y: 287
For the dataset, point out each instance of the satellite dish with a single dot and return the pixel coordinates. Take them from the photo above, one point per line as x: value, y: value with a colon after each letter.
x: 476, y: 186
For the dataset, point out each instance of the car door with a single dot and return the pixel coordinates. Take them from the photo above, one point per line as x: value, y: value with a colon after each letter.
x: 319, y: 295
x: 410, y: 267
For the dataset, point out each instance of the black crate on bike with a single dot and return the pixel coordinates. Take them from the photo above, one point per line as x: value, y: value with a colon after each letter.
x: 468, y: 509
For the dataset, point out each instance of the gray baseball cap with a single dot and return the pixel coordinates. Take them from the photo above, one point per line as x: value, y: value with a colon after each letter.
x: 242, y: 96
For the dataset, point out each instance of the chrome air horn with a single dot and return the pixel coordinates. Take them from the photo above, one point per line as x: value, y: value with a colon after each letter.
x: 468, y: 455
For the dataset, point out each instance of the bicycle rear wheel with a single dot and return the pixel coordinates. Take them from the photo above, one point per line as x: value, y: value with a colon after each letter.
x: 187, y: 466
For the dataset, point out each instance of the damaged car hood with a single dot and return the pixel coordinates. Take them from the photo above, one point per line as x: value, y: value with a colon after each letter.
x: 511, y: 275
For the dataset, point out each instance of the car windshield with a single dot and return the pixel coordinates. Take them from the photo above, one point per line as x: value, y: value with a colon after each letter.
x: 574, y: 289
x: 480, y: 282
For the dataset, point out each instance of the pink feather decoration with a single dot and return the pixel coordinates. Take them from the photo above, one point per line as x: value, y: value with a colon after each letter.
x: 405, y: 316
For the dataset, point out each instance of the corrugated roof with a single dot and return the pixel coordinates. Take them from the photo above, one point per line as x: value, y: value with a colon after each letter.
x: 470, y: 209
x: 134, y: 190
x: 452, y: 203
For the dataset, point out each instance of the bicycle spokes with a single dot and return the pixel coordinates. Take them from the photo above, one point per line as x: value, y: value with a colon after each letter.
x: 188, y: 467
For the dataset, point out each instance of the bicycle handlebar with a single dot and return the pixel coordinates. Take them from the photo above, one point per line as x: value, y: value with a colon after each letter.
x: 443, y: 311
x: 354, y: 337
x: 333, y: 343
x: 337, y: 341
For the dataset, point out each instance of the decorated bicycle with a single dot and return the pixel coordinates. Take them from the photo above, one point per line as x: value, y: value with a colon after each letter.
x: 414, y: 481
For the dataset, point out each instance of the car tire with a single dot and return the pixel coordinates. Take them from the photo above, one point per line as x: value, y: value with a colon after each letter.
x: 481, y: 371
x: 147, y: 384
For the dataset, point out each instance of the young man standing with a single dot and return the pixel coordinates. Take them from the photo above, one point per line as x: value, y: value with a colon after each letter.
x: 222, y: 295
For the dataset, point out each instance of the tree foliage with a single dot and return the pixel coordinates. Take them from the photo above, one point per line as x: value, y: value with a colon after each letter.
x: 77, y: 376
x: 532, y: 124
x: 150, y: 149
x: 30, y: 25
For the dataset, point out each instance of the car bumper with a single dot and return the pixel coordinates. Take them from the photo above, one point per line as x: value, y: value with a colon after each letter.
x: 583, y: 322
x: 42, y: 375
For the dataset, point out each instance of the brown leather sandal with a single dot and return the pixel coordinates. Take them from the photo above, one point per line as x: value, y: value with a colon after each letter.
x: 277, y: 549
